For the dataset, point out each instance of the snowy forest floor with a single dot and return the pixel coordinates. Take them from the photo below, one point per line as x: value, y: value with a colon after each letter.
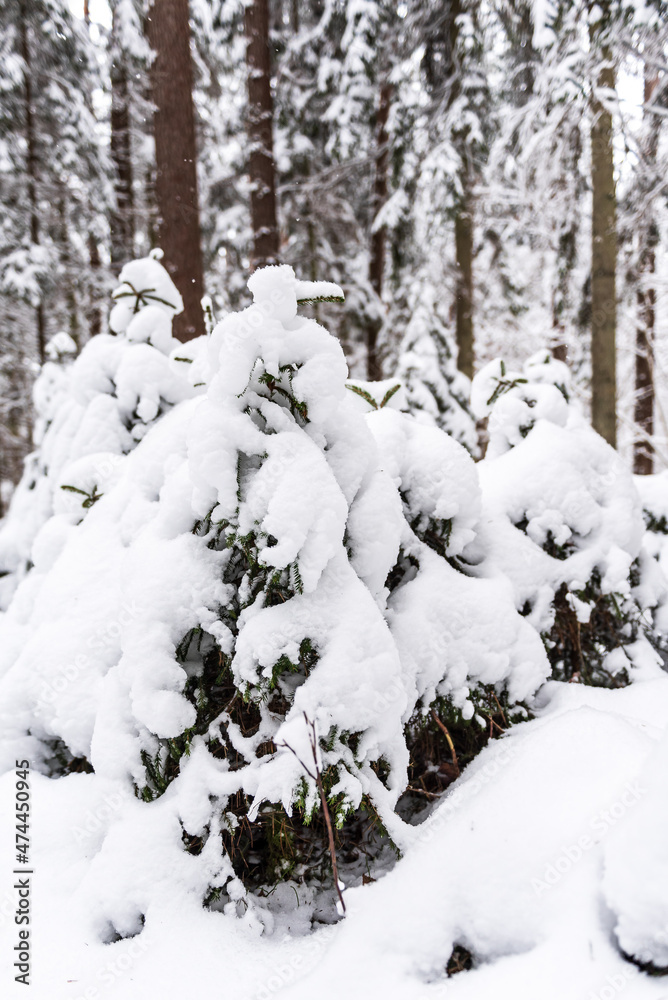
x: 512, y: 865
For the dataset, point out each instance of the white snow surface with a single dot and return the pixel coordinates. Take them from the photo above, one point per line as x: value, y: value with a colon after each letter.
x: 538, y: 859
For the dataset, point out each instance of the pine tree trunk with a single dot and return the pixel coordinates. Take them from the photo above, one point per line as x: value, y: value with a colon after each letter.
x: 122, y: 219
x: 261, y: 166
x: 604, y: 256
x: 643, y: 452
x: 176, y: 158
x: 31, y: 165
x: 378, y: 236
x: 447, y: 73
x: 567, y: 246
x: 94, y: 259
x: 94, y: 312
x: 464, y: 301
x: 68, y: 280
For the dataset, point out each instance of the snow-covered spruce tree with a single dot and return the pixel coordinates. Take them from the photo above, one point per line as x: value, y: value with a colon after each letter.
x: 55, y: 173
x: 91, y: 413
x: 16, y: 529
x: 536, y: 175
x: 566, y: 526
x: 278, y: 565
x: 427, y: 383
x: 437, y: 392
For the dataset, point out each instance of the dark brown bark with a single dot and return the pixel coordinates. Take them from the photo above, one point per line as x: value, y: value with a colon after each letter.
x: 378, y: 236
x: 261, y: 166
x: 31, y: 164
x: 567, y: 244
x: 442, y: 67
x: 463, y: 218
x: 464, y: 304
x: 122, y: 218
x: 604, y: 250
x: 68, y: 279
x: 176, y: 159
x: 643, y: 413
x: 94, y: 313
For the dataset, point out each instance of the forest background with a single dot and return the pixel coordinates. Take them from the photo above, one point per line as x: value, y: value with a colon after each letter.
x: 493, y: 172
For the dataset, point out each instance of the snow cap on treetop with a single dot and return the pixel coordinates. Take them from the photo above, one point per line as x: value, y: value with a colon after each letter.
x: 277, y: 284
x: 143, y: 282
x: 540, y: 390
x: 60, y: 346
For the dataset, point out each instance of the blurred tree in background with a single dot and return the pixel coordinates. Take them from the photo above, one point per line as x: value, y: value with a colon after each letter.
x: 490, y: 174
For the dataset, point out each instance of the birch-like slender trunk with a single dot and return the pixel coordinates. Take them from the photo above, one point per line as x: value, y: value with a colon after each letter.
x: 604, y: 245
x: 378, y: 236
x: 643, y: 452
x: 31, y: 164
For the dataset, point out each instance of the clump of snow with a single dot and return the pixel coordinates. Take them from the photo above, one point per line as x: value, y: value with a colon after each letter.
x: 564, y: 524
x: 60, y: 347
x: 91, y: 412
x: 143, y: 283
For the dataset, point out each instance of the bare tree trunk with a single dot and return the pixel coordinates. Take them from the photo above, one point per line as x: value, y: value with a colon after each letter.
x: 378, y: 236
x: 176, y: 158
x: 31, y: 165
x: 463, y: 222
x: 68, y: 279
x: 122, y: 219
x: 261, y: 166
x: 444, y: 78
x: 643, y: 452
x: 464, y: 301
x: 567, y: 247
x: 604, y: 255
x: 94, y: 312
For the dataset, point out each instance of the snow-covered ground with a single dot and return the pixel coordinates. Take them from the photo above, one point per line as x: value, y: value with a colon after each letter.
x: 536, y: 860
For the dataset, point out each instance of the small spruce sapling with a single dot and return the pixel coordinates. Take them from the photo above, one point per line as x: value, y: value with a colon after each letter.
x: 568, y: 526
